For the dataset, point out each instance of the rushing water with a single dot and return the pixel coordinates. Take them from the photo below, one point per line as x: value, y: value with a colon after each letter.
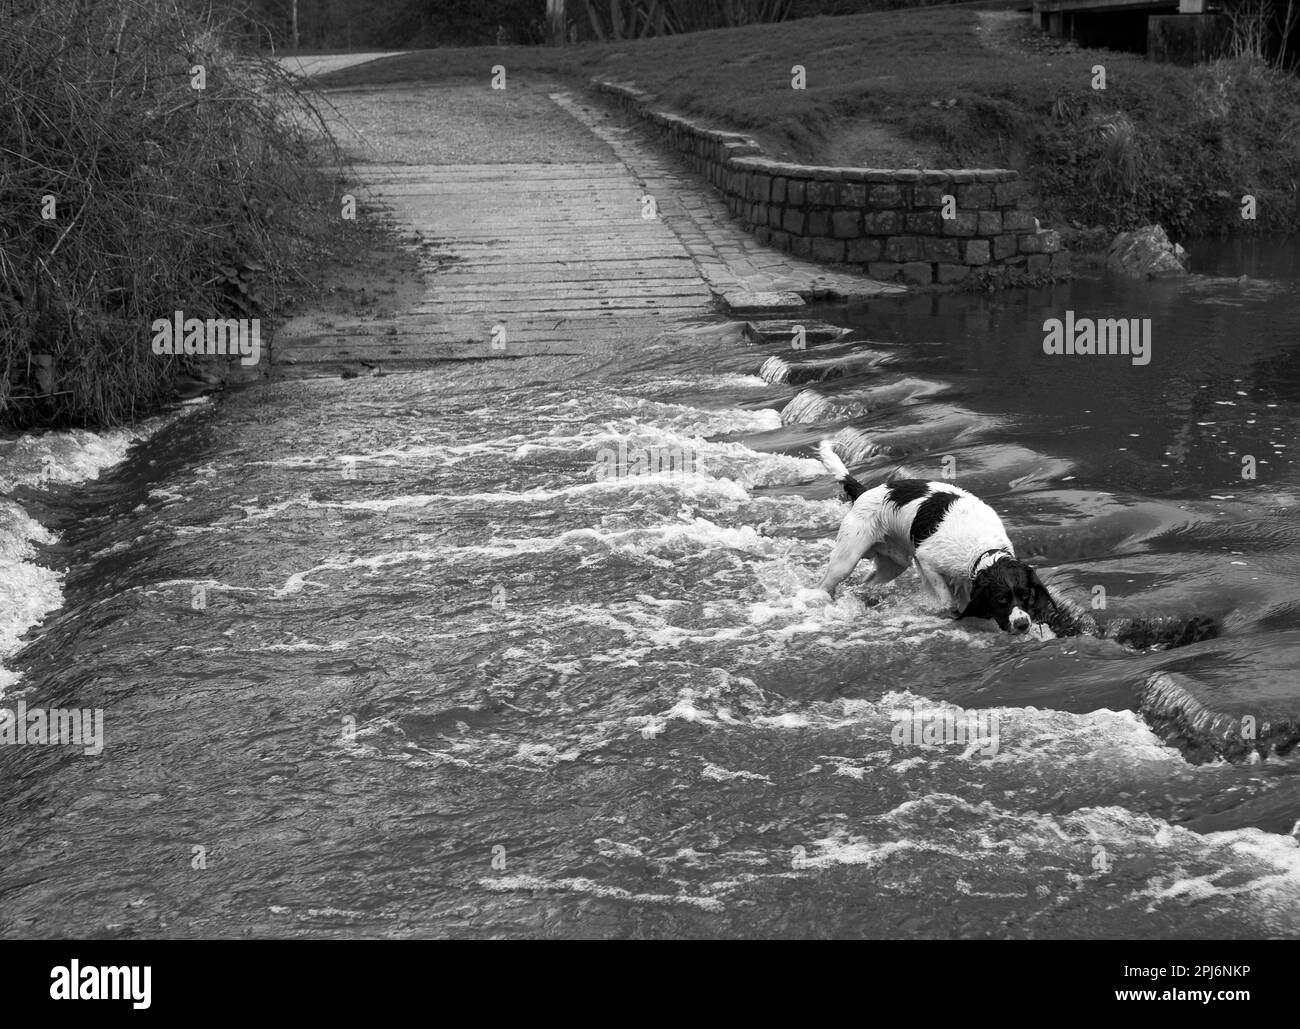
x: 397, y: 656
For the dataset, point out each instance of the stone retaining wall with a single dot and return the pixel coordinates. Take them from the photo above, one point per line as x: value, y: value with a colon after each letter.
x: 888, y: 221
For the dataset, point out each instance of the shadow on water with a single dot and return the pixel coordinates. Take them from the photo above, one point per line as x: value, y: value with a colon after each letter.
x: 410, y: 655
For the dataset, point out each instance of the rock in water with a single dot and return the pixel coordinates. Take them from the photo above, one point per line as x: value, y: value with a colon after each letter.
x: 743, y: 304
x: 785, y: 331
x: 1160, y: 632
x: 808, y: 407
x: 1146, y: 253
x: 1207, y: 722
x: 856, y: 447
x: 799, y: 371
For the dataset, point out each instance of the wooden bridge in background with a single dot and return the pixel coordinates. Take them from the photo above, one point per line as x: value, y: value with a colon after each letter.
x: 1177, y: 31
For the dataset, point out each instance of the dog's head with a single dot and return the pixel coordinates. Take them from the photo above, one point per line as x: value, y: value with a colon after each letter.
x: 1010, y: 593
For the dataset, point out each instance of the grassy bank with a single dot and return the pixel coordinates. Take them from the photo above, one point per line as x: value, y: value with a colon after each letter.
x: 1179, y: 146
x: 127, y: 194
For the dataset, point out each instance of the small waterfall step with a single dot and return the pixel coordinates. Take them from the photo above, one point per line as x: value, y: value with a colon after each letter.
x: 810, y: 406
x: 1219, y: 717
x: 855, y: 446
x: 742, y: 303
x: 796, y: 370
x: 786, y: 331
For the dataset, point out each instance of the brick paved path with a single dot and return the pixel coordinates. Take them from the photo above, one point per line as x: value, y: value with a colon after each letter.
x: 541, y: 244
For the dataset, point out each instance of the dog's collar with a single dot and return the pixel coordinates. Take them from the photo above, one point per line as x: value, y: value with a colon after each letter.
x: 975, y: 567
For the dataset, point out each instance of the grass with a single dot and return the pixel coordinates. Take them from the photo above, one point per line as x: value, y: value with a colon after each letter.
x: 165, y: 198
x: 1161, y: 143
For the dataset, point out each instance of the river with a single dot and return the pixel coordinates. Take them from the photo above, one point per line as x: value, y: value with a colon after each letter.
x: 414, y: 655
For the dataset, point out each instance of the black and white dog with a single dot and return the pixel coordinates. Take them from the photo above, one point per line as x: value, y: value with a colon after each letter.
x: 956, y: 541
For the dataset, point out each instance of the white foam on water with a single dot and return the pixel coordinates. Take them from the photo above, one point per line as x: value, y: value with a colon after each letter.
x: 644, y: 446
x: 545, y: 754
x: 843, y: 849
x: 72, y: 456
x: 28, y: 590
x: 719, y: 774
x: 718, y: 382
x: 300, y: 580
x: 1220, y: 868
x: 1270, y: 861
x: 651, y: 424
x: 640, y: 541
x: 389, y: 457
x: 589, y: 887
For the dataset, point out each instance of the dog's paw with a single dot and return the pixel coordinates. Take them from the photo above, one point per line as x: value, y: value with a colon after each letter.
x: 812, y: 595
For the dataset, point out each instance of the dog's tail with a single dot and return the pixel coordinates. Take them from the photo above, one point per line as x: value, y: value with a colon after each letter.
x: 836, y: 467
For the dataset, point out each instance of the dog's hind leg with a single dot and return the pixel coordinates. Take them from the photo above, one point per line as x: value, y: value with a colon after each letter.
x: 886, y: 569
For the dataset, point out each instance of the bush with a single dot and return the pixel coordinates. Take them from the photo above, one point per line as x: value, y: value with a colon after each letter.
x: 165, y: 198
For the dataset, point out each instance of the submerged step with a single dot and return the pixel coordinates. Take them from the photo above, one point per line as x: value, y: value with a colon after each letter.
x: 811, y: 406
x: 777, y: 369
x: 855, y: 446
x: 790, y: 331
x: 741, y: 302
x: 1207, y: 721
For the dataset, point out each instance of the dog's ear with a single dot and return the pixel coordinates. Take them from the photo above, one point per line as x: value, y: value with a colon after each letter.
x: 1042, y: 604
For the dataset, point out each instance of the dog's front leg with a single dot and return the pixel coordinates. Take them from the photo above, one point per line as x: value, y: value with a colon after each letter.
x: 851, y: 545
x: 938, y: 588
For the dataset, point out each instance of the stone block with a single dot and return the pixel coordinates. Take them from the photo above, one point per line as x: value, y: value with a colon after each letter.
x: 885, y: 196
x: 903, y: 249
x: 931, y: 196
x: 862, y: 251
x: 822, y: 194
x: 918, y: 273
x: 946, y: 250
x: 824, y: 249
x: 927, y: 223
x: 1017, y: 221
x: 846, y: 224
x: 851, y: 194
x: 965, y: 224
x: 976, y: 197
x: 880, y: 223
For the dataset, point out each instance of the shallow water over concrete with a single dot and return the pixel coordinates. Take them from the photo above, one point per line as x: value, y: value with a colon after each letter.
x: 426, y: 655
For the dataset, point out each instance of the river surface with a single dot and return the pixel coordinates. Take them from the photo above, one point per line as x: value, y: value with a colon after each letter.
x: 410, y: 656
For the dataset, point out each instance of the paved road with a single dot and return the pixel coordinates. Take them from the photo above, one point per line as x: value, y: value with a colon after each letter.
x: 544, y: 241
x: 319, y: 64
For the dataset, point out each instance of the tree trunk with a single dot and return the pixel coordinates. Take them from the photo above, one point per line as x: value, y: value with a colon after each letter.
x: 594, y: 18
x: 555, y: 22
